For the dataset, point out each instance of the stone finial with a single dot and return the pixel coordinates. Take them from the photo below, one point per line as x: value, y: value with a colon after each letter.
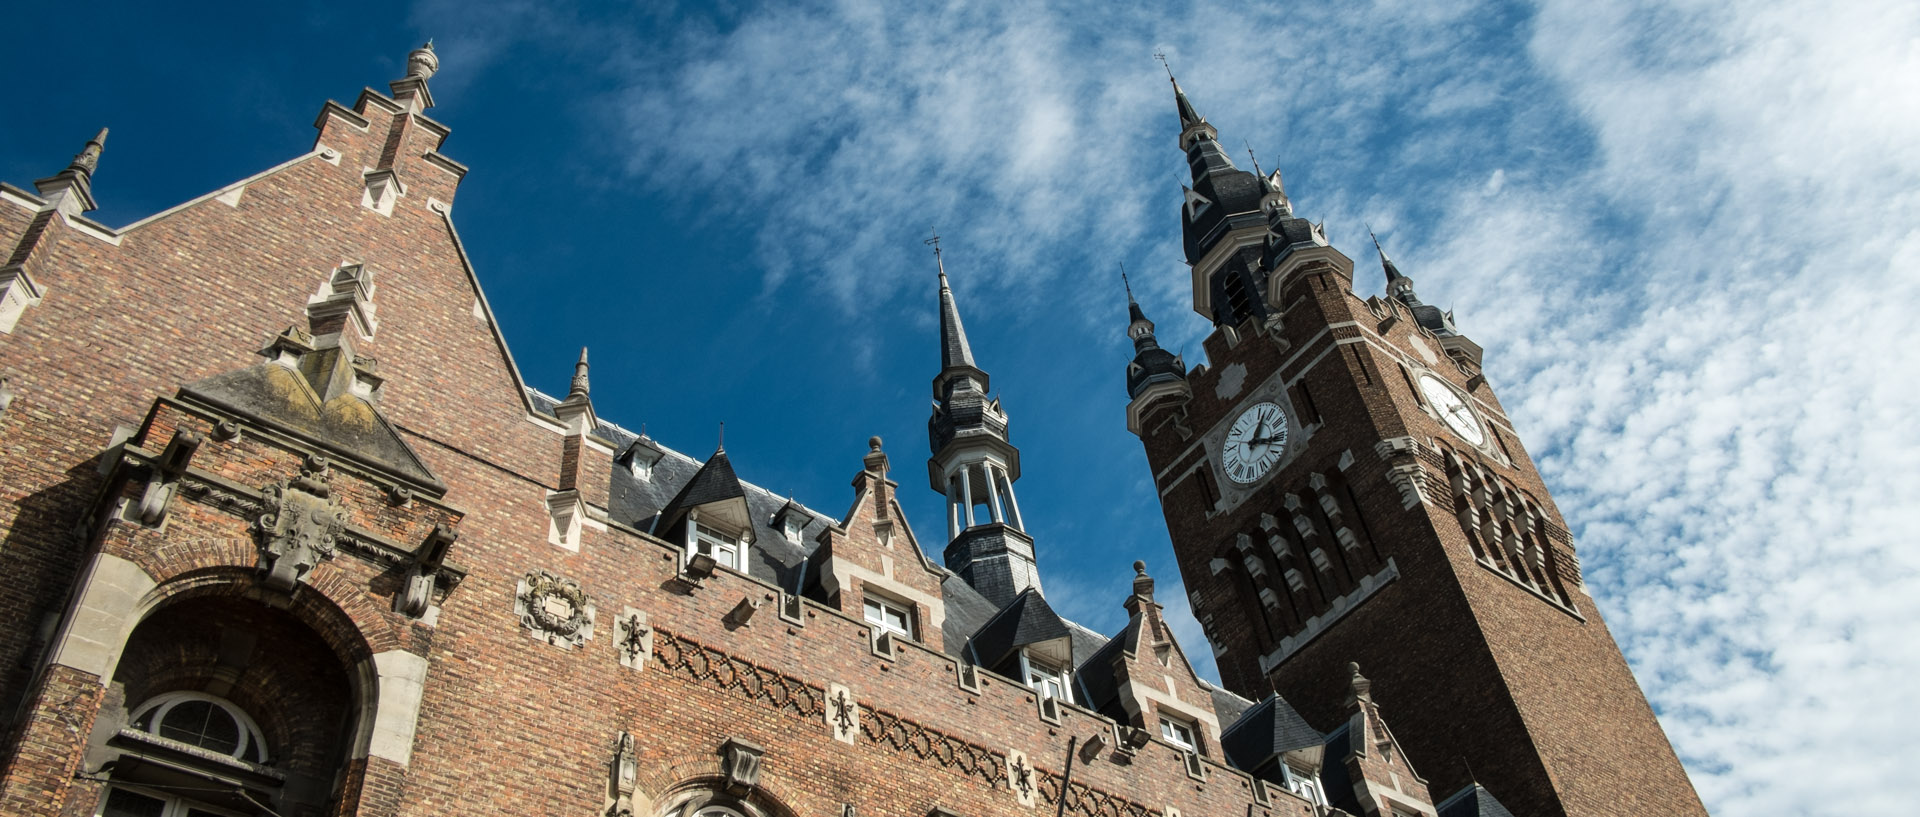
x: 579, y: 386
x: 1359, y: 689
x: 89, y: 157
x: 875, y: 460
x: 1142, y: 583
x: 422, y: 62
x: 71, y: 190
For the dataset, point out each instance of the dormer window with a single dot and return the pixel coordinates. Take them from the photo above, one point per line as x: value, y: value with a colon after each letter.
x: 725, y: 548
x: 1045, y: 678
x: 1179, y: 733
x: 888, y: 616
x: 1304, y: 784
x: 641, y: 458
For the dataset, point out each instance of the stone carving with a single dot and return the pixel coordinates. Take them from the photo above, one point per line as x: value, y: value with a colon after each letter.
x: 636, y: 639
x: 206, y: 493
x: 624, y: 771
x: 554, y: 609
x: 1020, y: 778
x: 302, y: 523
x: 843, y: 715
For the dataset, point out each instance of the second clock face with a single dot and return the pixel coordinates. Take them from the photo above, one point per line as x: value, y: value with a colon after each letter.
x: 1255, y: 442
x: 1453, y: 411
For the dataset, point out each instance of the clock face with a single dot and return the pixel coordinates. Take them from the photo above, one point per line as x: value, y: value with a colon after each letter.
x: 1254, y: 443
x: 1453, y: 411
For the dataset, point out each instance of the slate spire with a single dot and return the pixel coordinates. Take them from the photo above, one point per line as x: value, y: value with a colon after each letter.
x: 1398, y: 285
x: 1400, y: 288
x: 1151, y: 364
x: 975, y: 465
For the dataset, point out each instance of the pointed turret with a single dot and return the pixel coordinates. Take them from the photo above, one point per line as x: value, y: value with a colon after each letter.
x: 956, y: 355
x: 1400, y: 287
x: 1151, y: 364
x: 975, y: 464
x: 76, y: 179
x: 1221, y: 223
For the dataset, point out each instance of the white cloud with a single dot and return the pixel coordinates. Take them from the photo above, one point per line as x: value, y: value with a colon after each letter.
x: 1685, y: 231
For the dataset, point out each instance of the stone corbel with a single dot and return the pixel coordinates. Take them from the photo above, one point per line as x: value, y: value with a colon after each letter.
x: 167, y: 471
x: 741, y: 765
x: 416, y: 595
x: 17, y: 292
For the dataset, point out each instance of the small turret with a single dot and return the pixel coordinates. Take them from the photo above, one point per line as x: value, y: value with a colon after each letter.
x: 975, y: 465
x: 1151, y: 364
x: 1400, y: 288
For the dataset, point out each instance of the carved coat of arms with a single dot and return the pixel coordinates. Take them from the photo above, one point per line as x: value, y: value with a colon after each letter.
x: 301, y: 525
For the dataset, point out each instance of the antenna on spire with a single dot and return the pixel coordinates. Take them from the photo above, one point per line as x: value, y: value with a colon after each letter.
x: 1162, y: 57
x: 934, y: 242
x: 1256, y: 160
x: 1125, y: 283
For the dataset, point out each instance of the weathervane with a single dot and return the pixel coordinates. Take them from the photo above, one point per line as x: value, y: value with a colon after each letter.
x: 934, y: 242
x: 1162, y: 57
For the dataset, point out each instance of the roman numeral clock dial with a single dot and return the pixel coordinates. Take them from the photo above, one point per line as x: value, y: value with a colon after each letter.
x: 1254, y: 444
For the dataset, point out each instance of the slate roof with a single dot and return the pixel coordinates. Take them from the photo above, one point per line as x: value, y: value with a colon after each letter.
x: 1268, y: 728
x: 1028, y: 619
x: 714, y: 482
x: 636, y: 502
x: 1473, y: 801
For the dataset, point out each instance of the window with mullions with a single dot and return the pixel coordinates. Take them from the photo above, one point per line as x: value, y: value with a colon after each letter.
x: 723, y: 547
x: 204, y: 722
x: 1046, y: 679
x: 1305, y: 785
x: 1178, y: 733
x: 889, y: 616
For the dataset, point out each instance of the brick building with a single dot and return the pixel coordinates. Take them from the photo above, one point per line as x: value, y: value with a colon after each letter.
x: 286, y: 533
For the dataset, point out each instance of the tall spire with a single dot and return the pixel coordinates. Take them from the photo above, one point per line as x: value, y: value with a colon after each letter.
x: 1397, y: 284
x: 956, y: 355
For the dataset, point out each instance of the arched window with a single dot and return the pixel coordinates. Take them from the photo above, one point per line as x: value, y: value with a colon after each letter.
x: 204, y: 722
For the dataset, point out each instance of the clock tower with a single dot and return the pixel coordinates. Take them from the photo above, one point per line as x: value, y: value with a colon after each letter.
x: 1341, y: 485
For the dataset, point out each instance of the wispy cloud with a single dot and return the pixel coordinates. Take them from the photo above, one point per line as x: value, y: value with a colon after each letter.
x: 1685, y: 231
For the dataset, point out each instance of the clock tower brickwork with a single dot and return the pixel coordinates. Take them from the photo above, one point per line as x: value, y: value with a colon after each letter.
x: 1381, y: 535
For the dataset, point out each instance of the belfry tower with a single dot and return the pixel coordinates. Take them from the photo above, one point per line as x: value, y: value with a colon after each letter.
x: 975, y: 465
x: 1341, y: 485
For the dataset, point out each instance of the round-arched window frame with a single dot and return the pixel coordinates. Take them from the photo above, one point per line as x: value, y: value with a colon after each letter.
x: 708, y: 803
x: 205, y: 722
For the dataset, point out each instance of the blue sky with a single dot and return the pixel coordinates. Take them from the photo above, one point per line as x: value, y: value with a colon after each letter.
x: 1684, y: 231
